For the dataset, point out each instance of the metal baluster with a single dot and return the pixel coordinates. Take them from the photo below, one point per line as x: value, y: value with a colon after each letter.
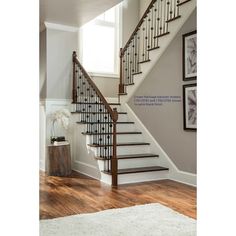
x: 143, y: 52
x: 178, y: 7
x: 164, y: 21
x: 138, y: 49
x: 171, y: 8
x: 152, y: 28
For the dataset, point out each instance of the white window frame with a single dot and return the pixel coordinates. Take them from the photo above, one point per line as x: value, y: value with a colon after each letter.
x: 118, y: 39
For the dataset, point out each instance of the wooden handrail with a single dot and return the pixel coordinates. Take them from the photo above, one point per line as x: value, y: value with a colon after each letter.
x: 113, y: 114
x: 138, y: 26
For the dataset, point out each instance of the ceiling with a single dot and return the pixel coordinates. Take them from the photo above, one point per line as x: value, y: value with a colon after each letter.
x: 72, y: 12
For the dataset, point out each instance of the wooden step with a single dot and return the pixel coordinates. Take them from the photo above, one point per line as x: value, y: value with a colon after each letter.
x: 118, y: 133
x: 121, y: 94
x: 128, y: 84
x: 132, y: 156
x: 137, y: 73
x: 98, y: 103
x: 182, y: 3
x: 143, y: 155
x: 151, y: 49
x: 118, y: 144
x: 161, y: 35
x: 172, y: 19
x: 92, y: 112
x: 119, y: 122
x: 138, y: 170
x: 141, y: 62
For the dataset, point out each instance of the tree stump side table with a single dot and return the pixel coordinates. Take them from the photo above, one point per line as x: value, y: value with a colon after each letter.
x: 58, y: 162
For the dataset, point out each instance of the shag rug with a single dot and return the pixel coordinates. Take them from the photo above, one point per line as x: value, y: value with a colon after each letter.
x: 149, y: 220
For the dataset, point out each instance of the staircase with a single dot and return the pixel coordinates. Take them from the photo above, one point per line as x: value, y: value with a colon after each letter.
x: 122, y: 153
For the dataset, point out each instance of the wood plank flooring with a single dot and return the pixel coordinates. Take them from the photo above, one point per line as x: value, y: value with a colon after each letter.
x: 76, y: 194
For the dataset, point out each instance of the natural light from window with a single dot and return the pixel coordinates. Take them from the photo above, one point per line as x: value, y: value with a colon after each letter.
x: 99, y: 43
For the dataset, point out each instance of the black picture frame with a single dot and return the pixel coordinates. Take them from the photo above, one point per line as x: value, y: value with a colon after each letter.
x: 190, y: 56
x: 190, y: 106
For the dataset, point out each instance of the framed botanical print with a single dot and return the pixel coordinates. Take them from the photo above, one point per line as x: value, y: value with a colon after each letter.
x: 190, y: 106
x: 190, y: 56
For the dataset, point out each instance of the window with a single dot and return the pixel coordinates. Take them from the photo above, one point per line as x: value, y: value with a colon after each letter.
x: 99, y: 44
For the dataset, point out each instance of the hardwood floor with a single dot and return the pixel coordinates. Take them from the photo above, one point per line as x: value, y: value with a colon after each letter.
x: 63, y: 196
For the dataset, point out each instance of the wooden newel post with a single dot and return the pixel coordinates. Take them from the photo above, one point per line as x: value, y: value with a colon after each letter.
x: 114, y: 163
x: 74, y: 90
x: 121, y: 85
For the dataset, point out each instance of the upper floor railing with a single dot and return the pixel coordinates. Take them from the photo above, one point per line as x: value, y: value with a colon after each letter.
x: 152, y: 26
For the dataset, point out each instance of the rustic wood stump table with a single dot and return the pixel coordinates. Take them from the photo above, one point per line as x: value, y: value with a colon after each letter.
x: 58, y: 162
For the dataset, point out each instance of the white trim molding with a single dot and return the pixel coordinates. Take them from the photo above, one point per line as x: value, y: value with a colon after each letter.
x: 86, y: 169
x: 67, y: 28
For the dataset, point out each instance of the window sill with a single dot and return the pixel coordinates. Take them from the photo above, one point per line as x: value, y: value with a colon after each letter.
x: 113, y: 76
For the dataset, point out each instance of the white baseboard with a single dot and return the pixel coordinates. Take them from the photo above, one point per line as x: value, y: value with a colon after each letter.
x: 184, y: 177
x: 42, y: 165
x: 86, y: 169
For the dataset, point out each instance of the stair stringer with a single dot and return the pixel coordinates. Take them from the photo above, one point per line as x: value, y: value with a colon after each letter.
x: 164, y: 160
x: 174, y: 27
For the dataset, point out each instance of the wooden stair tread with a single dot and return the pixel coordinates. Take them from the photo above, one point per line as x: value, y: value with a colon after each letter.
x: 137, y: 73
x: 143, y: 155
x: 92, y: 112
x: 161, y: 35
x: 172, y: 19
x: 144, y: 61
x: 138, y: 170
x: 150, y: 49
x: 119, y: 133
x: 131, y: 156
x: 99, y: 103
x: 119, y: 144
x: 119, y: 122
x: 181, y: 3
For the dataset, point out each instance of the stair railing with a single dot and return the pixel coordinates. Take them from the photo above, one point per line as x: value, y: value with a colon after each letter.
x: 152, y: 26
x: 99, y: 117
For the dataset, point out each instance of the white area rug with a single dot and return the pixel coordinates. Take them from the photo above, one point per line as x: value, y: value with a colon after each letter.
x: 149, y: 220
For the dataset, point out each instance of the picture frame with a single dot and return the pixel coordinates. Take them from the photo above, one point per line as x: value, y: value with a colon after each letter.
x: 190, y: 106
x: 190, y: 56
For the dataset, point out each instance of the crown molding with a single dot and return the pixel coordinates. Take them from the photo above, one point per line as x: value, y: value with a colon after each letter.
x: 67, y: 28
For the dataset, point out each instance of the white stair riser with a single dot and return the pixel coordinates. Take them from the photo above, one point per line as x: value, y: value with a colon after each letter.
x: 132, y: 163
x: 119, y: 128
x: 142, y: 177
x: 125, y: 127
x: 122, y: 138
x: 121, y: 117
x: 124, y: 150
x: 137, y: 162
x: 136, y: 177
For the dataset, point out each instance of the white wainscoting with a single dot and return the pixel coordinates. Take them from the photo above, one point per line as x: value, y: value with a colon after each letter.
x: 82, y: 159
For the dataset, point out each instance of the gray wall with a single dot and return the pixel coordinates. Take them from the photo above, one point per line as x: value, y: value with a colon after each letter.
x: 42, y: 64
x: 60, y: 45
x: 166, y: 122
x: 143, y: 6
x: 130, y: 15
x: 108, y: 86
